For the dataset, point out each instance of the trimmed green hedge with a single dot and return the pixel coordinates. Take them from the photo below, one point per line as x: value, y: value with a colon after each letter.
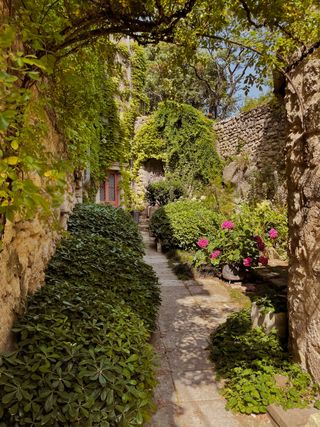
x: 179, y: 225
x: 163, y: 192
x: 106, y: 221
x: 105, y: 264
x: 82, y: 356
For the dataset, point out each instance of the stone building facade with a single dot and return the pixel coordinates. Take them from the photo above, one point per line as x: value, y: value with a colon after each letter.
x: 253, y: 143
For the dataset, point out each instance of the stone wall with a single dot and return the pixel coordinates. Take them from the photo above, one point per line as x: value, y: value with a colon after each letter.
x: 27, y: 247
x: 254, y: 143
x: 303, y: 171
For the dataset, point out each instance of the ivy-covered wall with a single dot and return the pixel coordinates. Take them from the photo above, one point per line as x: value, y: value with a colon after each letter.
x: 184, y: 140
x: 61, y: 115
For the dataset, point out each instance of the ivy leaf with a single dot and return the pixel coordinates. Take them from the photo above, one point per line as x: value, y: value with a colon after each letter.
x: 12, y: 160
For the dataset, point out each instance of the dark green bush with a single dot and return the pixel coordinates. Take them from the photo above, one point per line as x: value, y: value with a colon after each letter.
x: 179, y: 225
x: 106, y: 221
x: 81, y: 360
x: 184, y: 139
x: 102, y: 263
x: 163, y: 192
x: 82, y: 357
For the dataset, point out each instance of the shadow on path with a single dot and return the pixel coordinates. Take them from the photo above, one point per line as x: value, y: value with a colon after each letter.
x: 187, y: 394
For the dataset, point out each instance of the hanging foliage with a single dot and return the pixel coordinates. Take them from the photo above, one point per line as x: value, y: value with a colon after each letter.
x: 184, y: 139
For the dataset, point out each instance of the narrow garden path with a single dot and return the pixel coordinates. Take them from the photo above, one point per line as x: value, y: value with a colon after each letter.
x: 187, y: 394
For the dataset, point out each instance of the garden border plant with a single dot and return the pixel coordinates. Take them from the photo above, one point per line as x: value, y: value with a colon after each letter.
x: 178, y: 225
x: 82, y: 355
x: 245, y: 240
x: 250, y: 360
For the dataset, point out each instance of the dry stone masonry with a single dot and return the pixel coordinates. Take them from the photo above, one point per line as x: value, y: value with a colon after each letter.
x: 28, y: 246
x: 303, y: 171
x: 253, y: 144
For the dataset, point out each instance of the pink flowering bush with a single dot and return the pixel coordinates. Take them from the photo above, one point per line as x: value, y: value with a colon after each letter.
x: 237, y: 243
x: 263, y: 260
x: 247, y: 261
x: 215, y: 254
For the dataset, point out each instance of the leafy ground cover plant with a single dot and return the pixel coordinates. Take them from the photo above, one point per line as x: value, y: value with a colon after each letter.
x: 102, y: 263
x: 178, y: 225
x: 81, y: 360
x: 106, y: 221
x: 251, y: 361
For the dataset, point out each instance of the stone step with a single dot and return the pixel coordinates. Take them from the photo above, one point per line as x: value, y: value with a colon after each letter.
x: 307, y: 417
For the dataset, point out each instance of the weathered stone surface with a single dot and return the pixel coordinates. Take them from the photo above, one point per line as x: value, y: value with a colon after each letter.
x: 231, y: 173
x: 303, y: 171
x: 295, y: 417
x: 256, y: 141
x: 314, y: 420
x: 27, y: 247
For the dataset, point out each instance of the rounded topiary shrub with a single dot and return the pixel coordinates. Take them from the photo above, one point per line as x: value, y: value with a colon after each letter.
x: 179, y: 225
x: 108, y: 265
x: 163, y: 192
x: 81, y: 360
x: 114, y: 223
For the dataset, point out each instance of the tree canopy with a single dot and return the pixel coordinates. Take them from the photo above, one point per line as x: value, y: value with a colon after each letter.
x: 207, y: 80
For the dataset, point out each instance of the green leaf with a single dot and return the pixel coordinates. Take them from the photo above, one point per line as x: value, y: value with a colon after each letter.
x: 7, y: 36
x: 4, y: 123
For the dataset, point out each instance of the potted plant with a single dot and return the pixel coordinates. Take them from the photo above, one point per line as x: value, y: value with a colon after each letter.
x: 234, y: 249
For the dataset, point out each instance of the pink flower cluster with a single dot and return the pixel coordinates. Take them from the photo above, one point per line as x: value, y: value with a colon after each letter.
x: 263, y: 260
x: 260, y: 243
x: 202, y: 243
x: 215, y: 254
x: 228, y: 225
x: 273, y: 233
x: 247, y: 261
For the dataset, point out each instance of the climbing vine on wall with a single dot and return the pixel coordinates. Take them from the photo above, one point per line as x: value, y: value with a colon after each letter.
x: 183, y: 138
x: 77, y: 93
x: 134, y: 103
x: 84, y: 92
x: 30, y: 177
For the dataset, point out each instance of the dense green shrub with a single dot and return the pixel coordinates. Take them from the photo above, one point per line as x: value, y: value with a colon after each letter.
x: 81, y: 360
x: 179, y: 225
x: 108, y: 265
x: 163, y: 192
x: 250, y: 359
x: 82, y: 357
x: 106, y: 221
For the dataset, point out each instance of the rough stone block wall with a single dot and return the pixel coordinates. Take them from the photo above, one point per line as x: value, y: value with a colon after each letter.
x: 254, y: 140
x: 303, y: 171
x: 27, y: 247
